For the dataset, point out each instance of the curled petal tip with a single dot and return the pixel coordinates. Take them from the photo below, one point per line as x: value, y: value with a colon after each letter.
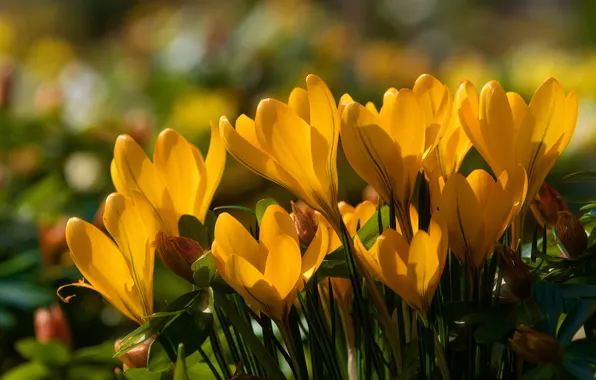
x: 313, y: 79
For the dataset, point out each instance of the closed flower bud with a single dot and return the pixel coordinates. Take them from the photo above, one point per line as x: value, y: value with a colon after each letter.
x: 516, y: 274
x: 571, y: 234
x: 370, y: 194
x: 306, y: 223
x: 535, y: 347
x: 547, y: 206
x: 51, y: 324
x: 178, y: 254
x: 137, y: 357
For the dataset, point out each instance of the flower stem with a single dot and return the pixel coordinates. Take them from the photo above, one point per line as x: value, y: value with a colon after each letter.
x: 286, y: 333
x: 348, y: 325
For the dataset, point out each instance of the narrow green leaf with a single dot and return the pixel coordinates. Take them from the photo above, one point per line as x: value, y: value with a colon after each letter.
x: 262, y: 206
x: 579, y: 314
x: 249, y: 337
x: 180, y: 372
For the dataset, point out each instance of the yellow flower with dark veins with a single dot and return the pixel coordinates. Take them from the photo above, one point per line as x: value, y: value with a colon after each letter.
x: 293, y: 145
x: 386, y: 148
x: 508, y: 132
x: 453, y: 144
x: 121, y: 270
x: 178, y: 181
x: 412, y: 270
x: 267, y: 273
x: 478, y: 210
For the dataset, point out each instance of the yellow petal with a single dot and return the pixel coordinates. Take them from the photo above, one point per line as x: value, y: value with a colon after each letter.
x: 214, y: 168
x: 117, y: 180
x: 276, y: 222
x: 343, y: 102
x: 253, y: 282
x: 426, y: 265
x: 497, y: 128
x: 104, y: 266
x: 364, y: 211
x: 371, y: 107
x: 370, y: 258
x: 298, y: 102
x: 436, y: 102
x: 256, y: 160
x: 181, y: 170
x: 571, y: 109
x: 234, y: 239
x: 370, y: 150
x: 282, y: 269
x: 287, y: 138
x: 314, y: 255
x: 460, y: 208
x: 137, y: 172
x: 482, y: 185
x: 518, y: 108
x: 245, y: 127
x: 394, y: 260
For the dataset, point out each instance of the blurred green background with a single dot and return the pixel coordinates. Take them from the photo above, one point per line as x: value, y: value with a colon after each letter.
x: 75, y: 74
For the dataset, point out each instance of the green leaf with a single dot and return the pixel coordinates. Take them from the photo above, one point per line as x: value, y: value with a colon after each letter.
x: 191, y: 227
x: 254, y: 344
x: 190, y: 328
x: 7, y: 319
x: 53, y: 353
x: 580, y: 369
x: 210, y: 220
x: 368, y: 234
x: 583, y: 176
x: 24, y: 295
x: 579, y: 314
x: 157, y: 357
x: 542, y: 372
x: 180, y: 371
x: 237, y: 208
x: 100, y: 354
x: 577, y: 291
x: 29, y: 371
x: 145, y: 374
x: 549, y: 299
x: 262, y: 206
x: 581, y: 350
x: 204, y: 270
x: 157, y: 321
x: 22, y: 262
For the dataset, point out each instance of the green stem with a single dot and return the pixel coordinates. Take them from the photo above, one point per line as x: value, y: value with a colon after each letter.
x: 286, y: 333
x: 218, y: 352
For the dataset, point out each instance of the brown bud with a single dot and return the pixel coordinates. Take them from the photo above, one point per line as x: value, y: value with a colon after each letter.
x: 535, y: 347
x: 137, y: 357
x: 51, y: 324
x: 306, y: 223
x: 178, y: 254
x: 547, y: 206
x: 52, y: 240
x: 370, y: 194
x: 516, y: 274
x: 571, y: 234
x: 6, y: 86
x: 98, y: 218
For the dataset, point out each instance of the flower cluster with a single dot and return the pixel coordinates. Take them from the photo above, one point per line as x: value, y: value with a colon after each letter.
x: 409, y: 148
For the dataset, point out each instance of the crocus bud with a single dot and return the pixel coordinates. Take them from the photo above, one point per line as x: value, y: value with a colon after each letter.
x: 571, y: 234
x: 51, y: 324
x: 98, y: 218
x: 137, y: 357
x: 547, y: 206
x: 370, y: 194
x: 178, y: 254
x: 52, y: 240
x: 306, y: 223
x: 535, y: 347
x: 516, y: 274
x: 6, y: 86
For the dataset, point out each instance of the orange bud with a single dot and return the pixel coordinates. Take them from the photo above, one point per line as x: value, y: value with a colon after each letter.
x: 306, y: 223
x: 98, y: 218
x: 571, y: 234
x: 51, y: 324
x: 52, y: 240
x: 535, y: 347
x: 178, y: 254
x: 6, y: 86
x: 370, y: 194
x: 547, y: 205
x: 518, y: 281
x: 137, y: 357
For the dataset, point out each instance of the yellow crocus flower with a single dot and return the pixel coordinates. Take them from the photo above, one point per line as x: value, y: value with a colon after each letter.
x: 437, y: 104
x: 453, y: 144
x: 267, y: 273
x: 293, y: 145
x: 412, y: 270
x: 386, y: 148
x: 121, y: 270
x: 507, y: 132
x: 478, y: 209
x: 178, y: 181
